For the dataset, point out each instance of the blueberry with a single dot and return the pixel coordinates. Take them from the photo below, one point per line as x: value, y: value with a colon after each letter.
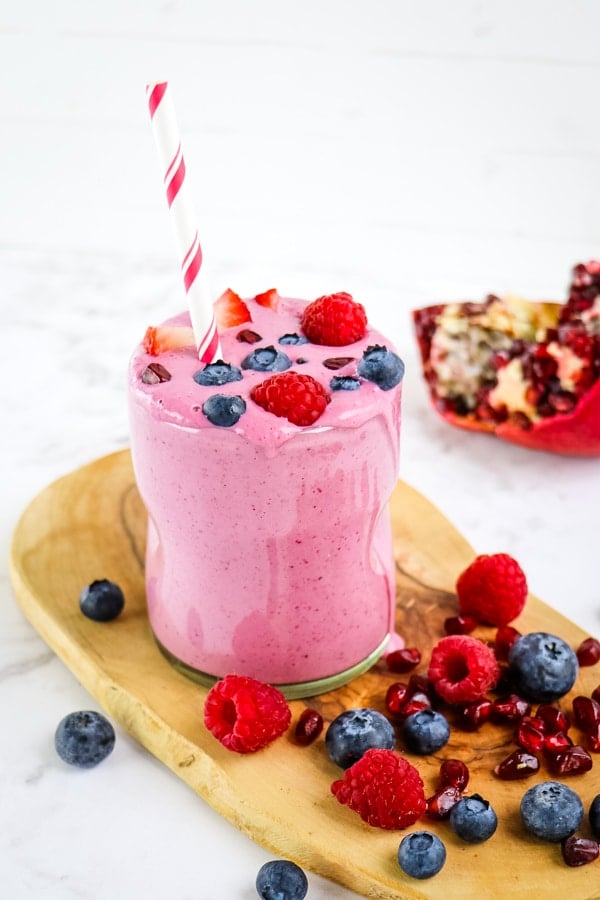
x: 84, y: 739
x: 594, y: 816
x: 224, y: 409
x: 354, y: 732
x: 281, y: 879
x: 293, y: 339
x: 425, y: 731
x: 381, y: 366
x: 344, y: 383
x: 101, y: 600
x: 421, y: 854
x: 542, y: 667
x: 473, y: 819
x: 217, y: 373
x: 267, y: 359
x: 551, y: 811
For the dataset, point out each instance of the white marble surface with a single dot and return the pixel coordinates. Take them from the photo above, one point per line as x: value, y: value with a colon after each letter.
x: 406, y: 152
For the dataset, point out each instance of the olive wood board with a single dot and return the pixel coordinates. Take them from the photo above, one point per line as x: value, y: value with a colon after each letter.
x: 91, y: 524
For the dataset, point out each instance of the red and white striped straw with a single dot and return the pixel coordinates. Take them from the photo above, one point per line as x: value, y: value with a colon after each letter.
x: 183, y: 220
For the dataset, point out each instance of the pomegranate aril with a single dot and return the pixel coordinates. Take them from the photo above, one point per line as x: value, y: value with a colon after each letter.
x: 588, y: 652
x: 439, y: 806
x: 572, y: 761
x: 510, y: 708
x: 529, y: 735
x: 403, y: 660
x: 420, y: 684
x: 596, y: 694
x: 554, y: 719
x: 586, y: 712
x: 308, y: 727
x: 454, y: 773
x: 578, y: 851
x: 592, y: 738
x: 459, y: 625
x: 518, y: 764
x: 415, y: 703
x: 395, y: 697
x: 506, y: 635
x: 472, y: 715
x: 556, y: 741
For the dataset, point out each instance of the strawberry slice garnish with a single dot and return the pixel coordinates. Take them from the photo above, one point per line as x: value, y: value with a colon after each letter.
x: 269, y: 298
x: 167, y: 337
x: 230, y: 310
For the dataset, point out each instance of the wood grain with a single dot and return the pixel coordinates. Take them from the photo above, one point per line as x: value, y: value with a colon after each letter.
x: 91, y: 524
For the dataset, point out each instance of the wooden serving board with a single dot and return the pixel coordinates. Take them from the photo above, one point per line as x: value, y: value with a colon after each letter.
x: 91, y: 524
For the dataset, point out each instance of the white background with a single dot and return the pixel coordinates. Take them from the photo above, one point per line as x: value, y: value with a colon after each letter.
x: 407, y: 152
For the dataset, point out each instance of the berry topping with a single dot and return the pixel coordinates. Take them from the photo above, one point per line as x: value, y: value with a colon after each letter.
x: 155, y: 373
x: 298, y: 398
x: 337, y: 362
x: 244, y: 714
x: 551, y: 811
x: 381, y: 366
x: 421, y: 854
x: 462, y: 668
x: 493, y: 589
x: 224, y: 410
x: 542, y: 667
x: 230, y: 310
x: 217, y: 373
x: 84, y: 739
x: 101, y: 600
x: 281, y: 879
x: 426, y: 731
x: 269, y: 298
x: 384, y: 789
x: 473, y: 819
x: 344, y: 383
x: 308, y: 727
x: 334, y: 320
x: 354, y: 732
x: 292, y: 339
x: 247, y: 336
x: 161, y: 338
x: 266, y: 359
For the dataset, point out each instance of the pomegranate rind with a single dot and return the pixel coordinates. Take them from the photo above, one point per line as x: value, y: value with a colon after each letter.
x: 570, y: 434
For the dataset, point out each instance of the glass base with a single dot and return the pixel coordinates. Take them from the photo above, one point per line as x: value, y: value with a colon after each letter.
x: 292, y: 691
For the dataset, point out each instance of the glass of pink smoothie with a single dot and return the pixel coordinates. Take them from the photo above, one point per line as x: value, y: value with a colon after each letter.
x: 269, y: 549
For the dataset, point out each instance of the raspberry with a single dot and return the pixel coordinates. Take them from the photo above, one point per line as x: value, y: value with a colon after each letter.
x: 493, y: 589
x: 384, y: 789
x: 299, y: 398
x: 334, y: 320
x: 462, y: 668
x: 244, y: 714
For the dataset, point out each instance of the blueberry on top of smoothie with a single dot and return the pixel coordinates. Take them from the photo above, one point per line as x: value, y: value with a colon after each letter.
x: 224, y: 409
x: 381, y: 366
x: 267, y: 359
x: 293, y: 339
x: 217, y: 373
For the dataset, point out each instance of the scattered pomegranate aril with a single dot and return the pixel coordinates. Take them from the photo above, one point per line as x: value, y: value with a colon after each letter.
x: 586, y: 712
x: 441, y: 803
x: 308, y: 727
x: 556, y: 741
x: 518, y: 764
x: 395, y: 697
x: 460, y: 625
x: 574, y: 760
x: 592, y: 738
x: 506, y: 635
x: 578, y: 851
x: 471, y: 716
x: 422, y: 685
x: 554, y: 719
x: 403, y: 660
x: 415, y: 703
x: 510, y: 708
x: 588, y: 652
x: 454, y: 773
x: 529, y: 736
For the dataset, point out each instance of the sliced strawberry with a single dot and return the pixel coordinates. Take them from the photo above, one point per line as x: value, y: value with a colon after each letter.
x: 230, y: 310
x: 269, y: 298
x: 167, y: 337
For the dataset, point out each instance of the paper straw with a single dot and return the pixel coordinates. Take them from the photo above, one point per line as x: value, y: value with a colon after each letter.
x: 183, y: 220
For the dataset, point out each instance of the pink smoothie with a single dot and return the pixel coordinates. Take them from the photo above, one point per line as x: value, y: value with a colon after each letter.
x: 269, y: 546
